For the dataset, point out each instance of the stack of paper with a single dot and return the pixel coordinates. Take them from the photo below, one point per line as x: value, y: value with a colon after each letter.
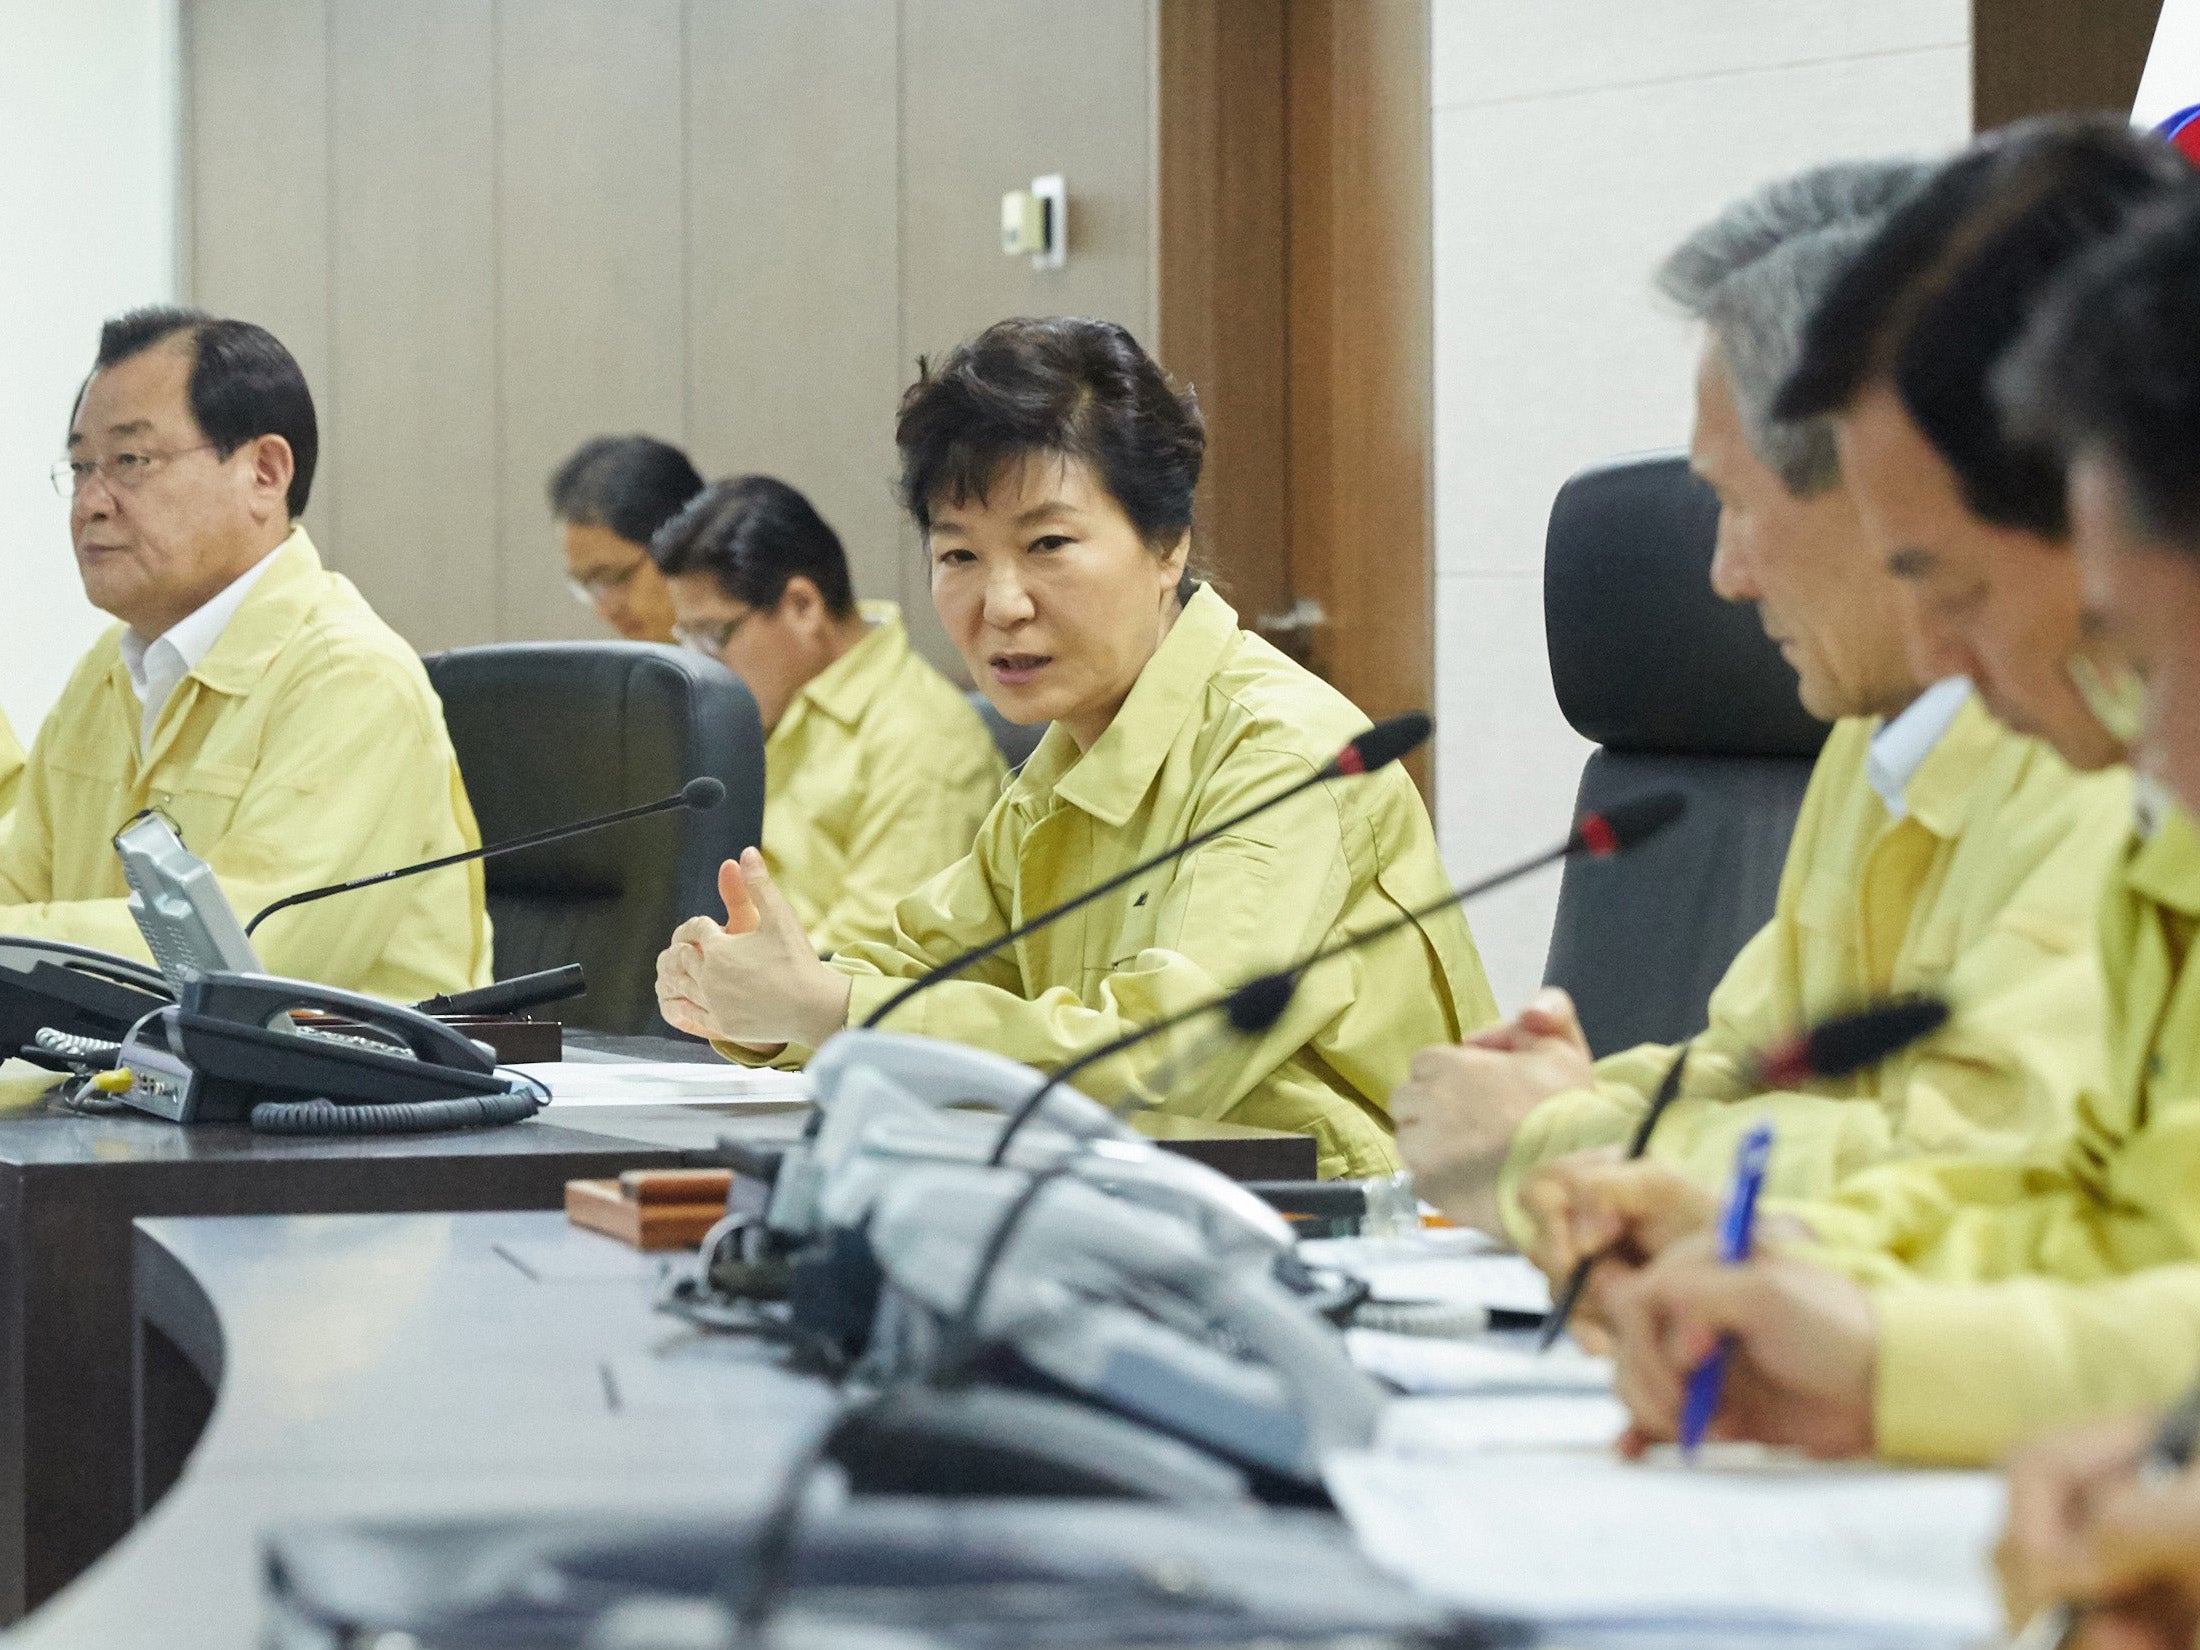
x: 1456, y: 1267
x: 665, y: 1083
x: 1478, y: 1364
x: 1742, y: 1543
x: 1590, y: 1421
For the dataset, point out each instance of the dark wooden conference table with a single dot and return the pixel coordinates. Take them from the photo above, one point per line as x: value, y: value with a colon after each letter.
x: 370, y: 1366
x: 70, y: 1186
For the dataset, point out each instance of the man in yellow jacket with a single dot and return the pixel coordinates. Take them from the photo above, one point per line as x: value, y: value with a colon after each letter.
x: 877, y: 773
x: 1947, y: 1309
x: 1935, y: 849
x: 250, y: 695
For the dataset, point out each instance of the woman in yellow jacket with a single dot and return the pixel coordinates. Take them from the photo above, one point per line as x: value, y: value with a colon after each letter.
x: 1050, y: 466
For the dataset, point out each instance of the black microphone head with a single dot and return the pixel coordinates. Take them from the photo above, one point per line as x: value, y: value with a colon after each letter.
x: 1849, y: 1042
x: 1382, y: 744
x: 1258, y: 1004
x: 701, y: 794
x: 1628, y: 824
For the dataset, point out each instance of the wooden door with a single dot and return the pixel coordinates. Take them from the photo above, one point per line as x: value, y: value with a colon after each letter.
x: 2032, y: 57
x: 1295, y: 296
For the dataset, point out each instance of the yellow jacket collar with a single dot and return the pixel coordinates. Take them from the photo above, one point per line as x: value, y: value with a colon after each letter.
x: 845, y: 688
x: 269, y: 617
x: 2165, y: 867
x: 1943, y: 793
x: 1112, y: 779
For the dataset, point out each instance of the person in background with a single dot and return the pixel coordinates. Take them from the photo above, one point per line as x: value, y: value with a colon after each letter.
x: 248, y: 694
x: 877, y: 773
x: 611, y: 496
x: 1949, y: 1309
x: 1050, y: 468
x: 1935, y: 850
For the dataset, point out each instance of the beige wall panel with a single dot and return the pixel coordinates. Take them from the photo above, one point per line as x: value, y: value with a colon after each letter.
x: 413, y: 517
x: 256, y: 202
x: 590, y: 234
x: 994, y: 93
x: 793, y: 269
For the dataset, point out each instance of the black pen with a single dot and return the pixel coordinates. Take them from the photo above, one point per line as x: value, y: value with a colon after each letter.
x: 1569, y: 1297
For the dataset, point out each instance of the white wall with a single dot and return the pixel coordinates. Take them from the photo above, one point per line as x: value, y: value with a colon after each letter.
x: 87, y: 227
x: 1575, y: 142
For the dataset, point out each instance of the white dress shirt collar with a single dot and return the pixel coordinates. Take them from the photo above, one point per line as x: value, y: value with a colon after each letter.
x: 1903, y: 742
x: 158, y: 667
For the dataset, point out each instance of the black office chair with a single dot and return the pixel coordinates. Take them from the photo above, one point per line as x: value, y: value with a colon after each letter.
x: 551, y: 732
x: 1014, y: 740
x: 1678, y: 689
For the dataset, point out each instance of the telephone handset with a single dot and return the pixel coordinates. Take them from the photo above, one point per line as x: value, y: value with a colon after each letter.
x: 71, y: 989
x: 887, y: 1101
x: 184, y: 919
x: 232, y: 1049
x: 1132, y: 1313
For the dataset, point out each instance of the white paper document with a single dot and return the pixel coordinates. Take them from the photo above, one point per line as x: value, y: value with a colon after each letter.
x: 1476, y: 1363
x: 1454, y: 1267
x: 1590, y: 1421
x: 665, y: 1083
x: 1583, y: 1539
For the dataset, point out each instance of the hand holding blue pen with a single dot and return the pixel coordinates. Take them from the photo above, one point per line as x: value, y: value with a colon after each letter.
x: 1736, y: 1229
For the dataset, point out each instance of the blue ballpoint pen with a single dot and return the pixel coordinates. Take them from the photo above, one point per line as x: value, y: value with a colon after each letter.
x: 1735, y: 1229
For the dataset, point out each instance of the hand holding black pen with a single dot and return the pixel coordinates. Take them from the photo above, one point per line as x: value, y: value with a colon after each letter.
x: 1834, y: 1047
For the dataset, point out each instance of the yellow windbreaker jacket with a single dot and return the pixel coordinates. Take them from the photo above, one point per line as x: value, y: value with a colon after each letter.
x: 1986, y: 890
x: 878, y: 776
x: 2016, y: 1296
x: 306, y: 748
x: 1218, y: 721
x: 11, y: 770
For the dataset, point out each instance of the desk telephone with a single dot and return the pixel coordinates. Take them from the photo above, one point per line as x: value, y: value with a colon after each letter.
x: 210, y: 1038
x: 1150, y: 1329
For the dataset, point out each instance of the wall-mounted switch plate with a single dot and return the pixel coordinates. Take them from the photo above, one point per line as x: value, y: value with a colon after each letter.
x: 1052, y: 194
x: 1036, y: 220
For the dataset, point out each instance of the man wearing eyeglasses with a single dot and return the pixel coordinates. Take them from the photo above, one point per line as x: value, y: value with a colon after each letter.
x: 611, y: 496
x: 877, y: 773
x: 248, y: 694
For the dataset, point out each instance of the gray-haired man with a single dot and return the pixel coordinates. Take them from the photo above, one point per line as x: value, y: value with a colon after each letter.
x: 1935, y: 850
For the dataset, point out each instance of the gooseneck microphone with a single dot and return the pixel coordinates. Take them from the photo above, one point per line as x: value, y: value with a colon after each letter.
x: 1259, y: 1003
x: 1838, y: 1046
x: 699, y: 794
x: 1381, y: 745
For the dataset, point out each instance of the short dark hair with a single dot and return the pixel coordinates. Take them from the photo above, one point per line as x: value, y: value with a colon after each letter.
x: 1943, y: 291
x: 2112, y: 365
x: 1077, y: 389
x: 244, y: 384
x: 752, y: 534
x: 631, y: 484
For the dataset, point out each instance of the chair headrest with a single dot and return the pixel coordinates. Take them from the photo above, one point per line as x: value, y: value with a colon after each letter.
x: 1644, y: 655
x: 551, y: 733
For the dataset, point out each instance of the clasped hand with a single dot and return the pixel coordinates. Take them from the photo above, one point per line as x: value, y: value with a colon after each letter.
x: 1460, y: 1106
x: 754, y: 979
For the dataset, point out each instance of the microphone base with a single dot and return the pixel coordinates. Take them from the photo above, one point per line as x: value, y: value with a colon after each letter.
x: 515, y: 1040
